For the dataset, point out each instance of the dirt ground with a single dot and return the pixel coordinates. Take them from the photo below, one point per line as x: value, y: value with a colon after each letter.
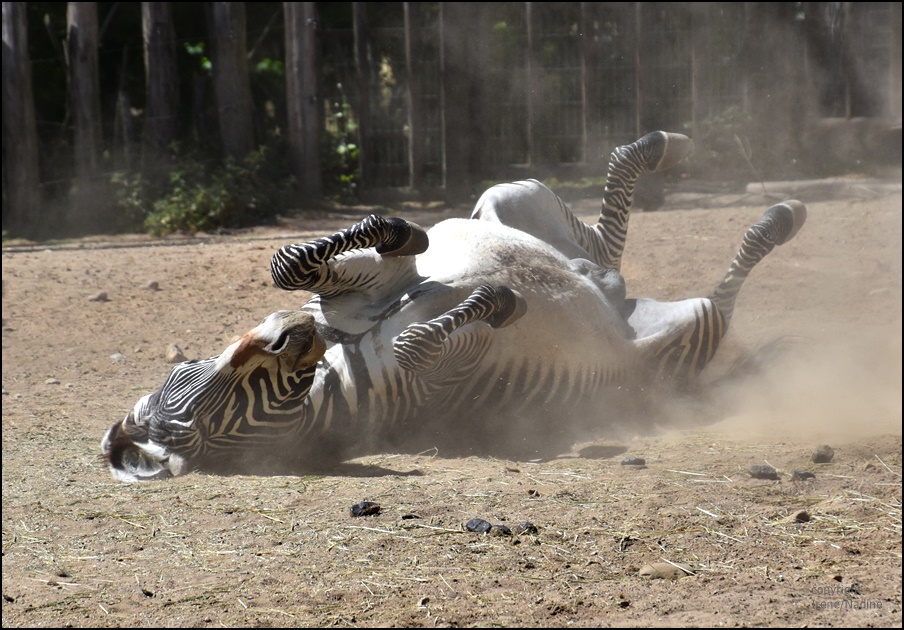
x: 80, y: 549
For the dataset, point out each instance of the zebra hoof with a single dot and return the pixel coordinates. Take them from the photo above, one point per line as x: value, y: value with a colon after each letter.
x: 512, y: 308
x: 410, y: 239
x: 793, y: 215
x: 663, y: 150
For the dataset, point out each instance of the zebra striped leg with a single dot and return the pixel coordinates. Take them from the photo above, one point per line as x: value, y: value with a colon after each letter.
x: 656, y: 151
x: 303, y: 266
x: 678, y: 339
x: 778, y: 226
x: 421, y: 346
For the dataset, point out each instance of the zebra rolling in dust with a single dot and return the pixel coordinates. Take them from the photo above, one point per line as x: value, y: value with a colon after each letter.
x: 509, y: 326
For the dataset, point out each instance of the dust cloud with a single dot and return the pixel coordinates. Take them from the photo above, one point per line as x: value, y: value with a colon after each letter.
x: 838, y: 391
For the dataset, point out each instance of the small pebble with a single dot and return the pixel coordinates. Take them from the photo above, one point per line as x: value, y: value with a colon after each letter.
x: 478, y: 525
x: 802, y: 475
x: 664, y: 571
x: 499, y: 530
x: 174, y: 354
x: 118, y: 357
x: 99, y: 297
x: 525, y: 527
x: 365, y: 508
x: 802, y: 517
x: 823, y: 454
x: 153, y: 285
x: 52, y: 381
x: 763, y: 472
x: 636, y: 462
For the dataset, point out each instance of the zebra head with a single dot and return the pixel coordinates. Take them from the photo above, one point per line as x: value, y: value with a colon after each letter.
x: 248, y: 398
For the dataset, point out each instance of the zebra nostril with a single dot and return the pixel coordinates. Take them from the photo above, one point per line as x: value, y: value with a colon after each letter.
x: 280, y: 344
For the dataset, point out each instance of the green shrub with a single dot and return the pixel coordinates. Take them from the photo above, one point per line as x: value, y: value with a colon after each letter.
x: 131, y: 202
x: 200, y: 196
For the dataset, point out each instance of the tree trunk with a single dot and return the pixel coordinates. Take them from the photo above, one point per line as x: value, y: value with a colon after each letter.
x: 639, y: 74
x: 302, y: 96
x: 359, y: 18
x: 482, y: 103
x: 892, y: 109
x: 455, y: 36
x: 160, y: 75
x: 534, y: 94
x: 588, y: 66
x: 84, y: 96
x: 20, y: 138
x: 413, y: 96
x: 230, y: 77
x: 362, y: 68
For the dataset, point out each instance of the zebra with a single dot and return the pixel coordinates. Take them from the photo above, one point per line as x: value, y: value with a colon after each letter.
x: 513, y: 320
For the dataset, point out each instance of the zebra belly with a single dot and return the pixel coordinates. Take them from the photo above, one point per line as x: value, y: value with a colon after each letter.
x: 570, y: 344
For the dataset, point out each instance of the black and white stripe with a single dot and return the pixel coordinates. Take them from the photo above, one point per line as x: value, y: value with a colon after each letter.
x: 422, y: 344
x: 303, y: 266
x: 684, y: 357
x: 779, y: 225
x: 379, y: 352
x: 655, y: 151
x: 201, y: 407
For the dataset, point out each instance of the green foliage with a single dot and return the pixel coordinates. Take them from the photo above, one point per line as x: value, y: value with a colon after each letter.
x: 584, y: 183
x: 339, y: 153
x: 340, y: 168
x: 129, y: 191
x: 197, y: 50
x: 198, y: 196
x: 270, y: 66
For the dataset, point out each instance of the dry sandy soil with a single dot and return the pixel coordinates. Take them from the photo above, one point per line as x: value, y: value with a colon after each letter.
x: 80, y: 549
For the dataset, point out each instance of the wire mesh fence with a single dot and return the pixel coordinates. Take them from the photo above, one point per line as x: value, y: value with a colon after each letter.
x: 429, y: 95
